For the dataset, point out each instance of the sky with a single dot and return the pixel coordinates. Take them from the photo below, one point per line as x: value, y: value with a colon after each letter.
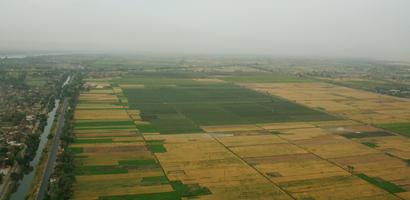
x: 331, y: 28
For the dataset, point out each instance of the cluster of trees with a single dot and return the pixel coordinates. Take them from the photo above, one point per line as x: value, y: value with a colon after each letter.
x: 17, y: 175
x: 14, y: 118
x: 42, y: 123
x: 63, y: 174
x: 31, y: 141
x: 18, y: 81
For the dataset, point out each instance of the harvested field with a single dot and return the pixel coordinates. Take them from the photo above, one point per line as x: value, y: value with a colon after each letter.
x: 288, y: 158
x: 288, y: 125
x: 250, y: 140
x: 300, y: 170
x: 108, y: 91
x: 131, y: 86
x: 302, y: 173
x: 335, y: 187
x: 97, y: 106
x: 346, y: 102
x: 98, y: 85
x: 106, y: 115
x: 211, y: 165
x: 93, y: 98
x: 117, y: 134
x: 211, y: 80
x: 302, y: 134
x: 266, y: 150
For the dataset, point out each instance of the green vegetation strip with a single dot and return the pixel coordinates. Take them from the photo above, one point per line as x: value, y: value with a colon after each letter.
x: 266, y: 79
x: 147, y: 128
x: 369, y: 144
x: 137, y: 162
x: 96, y: 170
x: 79, y: 157
x: 76, y: 150
x: 400, y: 128
x: 186, y: 191
x: 156, y: 148
x: 155, y: 179
x: 154, y: 141
x: 181, y: 190
x: 390, y: 187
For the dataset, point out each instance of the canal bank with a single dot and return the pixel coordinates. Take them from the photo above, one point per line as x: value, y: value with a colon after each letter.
x: 24, y: 185
x: 53, y: 153
x: 43, y: 159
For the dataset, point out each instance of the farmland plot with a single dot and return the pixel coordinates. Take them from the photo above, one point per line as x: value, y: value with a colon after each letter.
x: 187, y: 106
x: 203, y: 139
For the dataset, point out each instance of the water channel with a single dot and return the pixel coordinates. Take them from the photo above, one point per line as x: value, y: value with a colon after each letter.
x: 25, y: 184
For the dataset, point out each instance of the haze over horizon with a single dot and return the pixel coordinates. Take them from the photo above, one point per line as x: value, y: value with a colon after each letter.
x: 350, y: 28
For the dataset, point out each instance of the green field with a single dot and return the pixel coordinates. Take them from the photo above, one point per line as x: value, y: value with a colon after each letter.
x: 370, y: 144
x: 137, y: 162
x: 181, y: 190
x: 96, y: 170
x: 390, y: 187
x: 266, y: 79
x: 400, y: 128
x: 185, y: 107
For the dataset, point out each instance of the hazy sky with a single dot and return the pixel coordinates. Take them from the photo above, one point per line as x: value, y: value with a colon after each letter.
x: 359, y: 28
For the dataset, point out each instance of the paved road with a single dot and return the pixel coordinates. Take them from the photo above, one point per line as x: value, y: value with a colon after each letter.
x: 53, y: 154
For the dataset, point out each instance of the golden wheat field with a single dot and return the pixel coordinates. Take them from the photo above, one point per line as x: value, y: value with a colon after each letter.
x: 358, y: 105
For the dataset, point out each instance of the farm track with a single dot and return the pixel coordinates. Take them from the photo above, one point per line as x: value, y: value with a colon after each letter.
x: 259, y: 172
x: 327, y: 160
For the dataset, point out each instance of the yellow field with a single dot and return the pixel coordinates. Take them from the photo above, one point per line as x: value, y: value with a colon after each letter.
x: 96, y: 84
x: 211, y: 165
x: 108, y: 91
x: 106, y: 114
x: 131, y: 86
x: 254, y: 140
x: 97, y: 106
x: 298, y: 161
x: 211, y: 80
x: 98, y: 98
x: 358, y: 105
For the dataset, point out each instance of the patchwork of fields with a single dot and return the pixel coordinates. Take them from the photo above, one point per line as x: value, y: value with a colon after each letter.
x: 143, y: 138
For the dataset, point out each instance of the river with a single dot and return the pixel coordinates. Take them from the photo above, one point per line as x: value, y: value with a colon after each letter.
x: 25, y: 184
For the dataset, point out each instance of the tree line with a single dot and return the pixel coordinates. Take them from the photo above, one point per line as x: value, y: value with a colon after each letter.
x: 63, y: 175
